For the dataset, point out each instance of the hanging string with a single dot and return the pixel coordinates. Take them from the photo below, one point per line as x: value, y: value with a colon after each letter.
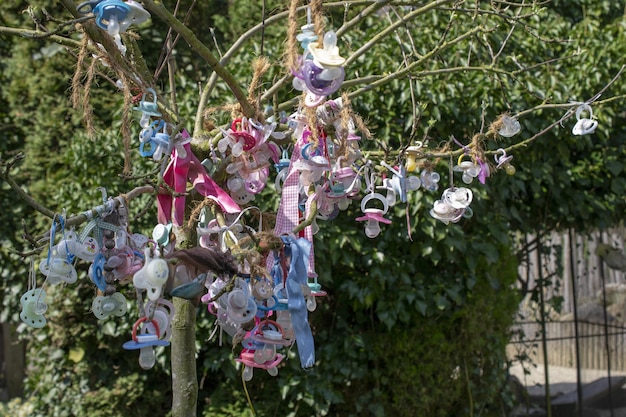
x: 318, y: 20
x: 262, y: 27
x: 245, y: 389
x: 291, y: 52
x: 32, y: 277
x: 451, y: 165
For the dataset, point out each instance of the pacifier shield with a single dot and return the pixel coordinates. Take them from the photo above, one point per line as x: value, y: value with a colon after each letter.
x: 33, y: 308
x: 104, y: 306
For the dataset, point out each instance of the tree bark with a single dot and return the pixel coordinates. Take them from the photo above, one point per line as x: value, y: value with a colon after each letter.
x: 14, y: 355
x: 184, y: 376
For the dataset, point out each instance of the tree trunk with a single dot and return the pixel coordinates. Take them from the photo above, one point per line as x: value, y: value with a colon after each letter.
x: 14, y: 356
x: 184, y: 377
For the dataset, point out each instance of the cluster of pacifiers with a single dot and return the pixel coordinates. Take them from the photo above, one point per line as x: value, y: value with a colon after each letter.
x: 115, y: 257
x: 251, y: 152
x: 320, y: 72
x: 251, y: 303
x: 453, y: 205
x: 155, y: 136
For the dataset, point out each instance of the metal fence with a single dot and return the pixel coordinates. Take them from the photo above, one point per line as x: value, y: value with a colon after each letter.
x: 600, y: 346
x: 579, y: 304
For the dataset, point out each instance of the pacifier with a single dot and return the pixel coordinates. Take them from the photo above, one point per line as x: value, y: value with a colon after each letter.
x: 161, y: 233
x: 68, y: 246
x: 430, y: 179
x: 104, y: 306
x: 242, y: 196
x: 96, y: 272
x: 136, y: 15
x: 453, y: 205
x: 399, y: 184
x: 121, y: 263
x: 109, y: 16
x: 343, y: 181
x: 239, y: 128
x: 444, y: 212
x: 504, y: 161
x: 109, y: 13
x: 469, y: 169
x: 152, y: 276
x: 161, y: 317
x: 307, y: 36
x: 458, y: 198
x: 33, y: 308
x: 240, y: 307
x: 322, y: 81
x: 373, y: 216
x: 214, y: 288
x: 147, y: 133
x: 583, y: 125
x: 146, y: 342
x: 313, y: 100
x: 160, y: 143
x: 269, y: 332
x: 148, y: 108
x: 510, y: 126
x: 411, y: 153
x: 247, y: 357
x: 255, y: 181
x: 262, y: 289
x: 58, y: 270
x: 312, y: 165
x: 282, y: 169
x: 88, y: 249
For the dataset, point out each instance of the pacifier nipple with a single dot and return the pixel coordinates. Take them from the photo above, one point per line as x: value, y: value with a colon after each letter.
x: 330, y: 41
x: 238, y: 300
x: 372, y: 229
x: 108, y: 306
x: 248, y: 373
x: 40, y: 307
x: 330, y: 73
x: 147, y: 359
x: 114, y: 26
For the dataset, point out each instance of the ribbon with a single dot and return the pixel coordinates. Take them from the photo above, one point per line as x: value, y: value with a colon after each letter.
x: 185, y: 166
x: 288, y: 215
x: 298, y: 250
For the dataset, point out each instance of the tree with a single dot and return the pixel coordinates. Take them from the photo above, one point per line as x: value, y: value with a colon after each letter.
x: 414, y: 71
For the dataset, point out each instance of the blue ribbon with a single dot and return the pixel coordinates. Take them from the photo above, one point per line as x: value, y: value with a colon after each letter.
x: 298, y: 250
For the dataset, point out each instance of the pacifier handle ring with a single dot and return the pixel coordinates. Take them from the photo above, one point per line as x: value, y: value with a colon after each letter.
x: 307, y: 153
x: 377, y: 196
x: 499, y: 155
x: 239, y: 125
x: 267, y: 322
x: 151, y: 91
x: 582, y: 108
x: 463, y: 155
x: 142, y: 320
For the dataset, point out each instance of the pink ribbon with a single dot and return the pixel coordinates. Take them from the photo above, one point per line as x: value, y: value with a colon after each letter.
x: 288, y: 215
x: 178, y: 172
